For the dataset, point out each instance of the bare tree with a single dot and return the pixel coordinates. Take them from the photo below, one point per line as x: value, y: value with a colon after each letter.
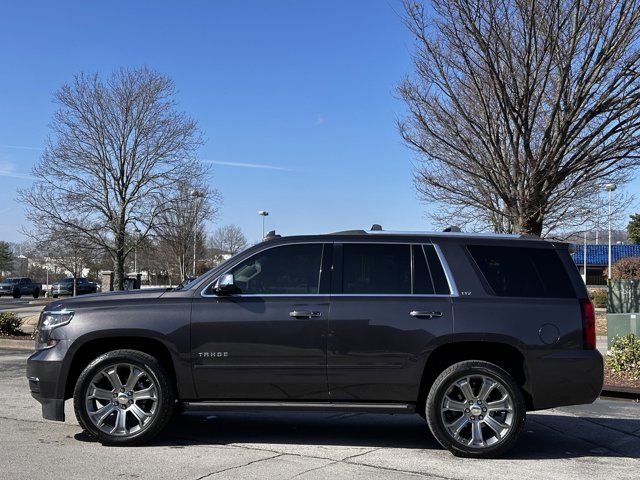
x: 70, y: 256
x: 181, y: 227
x: 521, y: 111
x: 229, y: 239
x: 118, y: 148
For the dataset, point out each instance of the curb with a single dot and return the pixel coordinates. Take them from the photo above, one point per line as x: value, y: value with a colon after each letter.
x: 17, y: 344
x: 620, y: 392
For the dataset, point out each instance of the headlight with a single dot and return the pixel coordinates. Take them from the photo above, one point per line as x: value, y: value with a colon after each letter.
x: 52, y: 320
x: 48, y: 322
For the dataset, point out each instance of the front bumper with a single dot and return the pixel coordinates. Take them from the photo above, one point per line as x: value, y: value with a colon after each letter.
x: 61, y: 291
x: 46, y: 381
x: 571, y: 377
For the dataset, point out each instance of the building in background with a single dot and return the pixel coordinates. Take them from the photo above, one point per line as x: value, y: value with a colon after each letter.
x: 597, y: 260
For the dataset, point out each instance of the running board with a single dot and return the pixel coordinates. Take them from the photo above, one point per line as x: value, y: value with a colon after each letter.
x: 302, y: 406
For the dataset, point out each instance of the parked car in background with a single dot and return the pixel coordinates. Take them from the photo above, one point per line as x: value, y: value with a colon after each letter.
x: 19, y: 286
x: 351, y: 321
x: 65, y: 287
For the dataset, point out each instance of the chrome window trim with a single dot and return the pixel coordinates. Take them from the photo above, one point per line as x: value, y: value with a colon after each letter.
x: 447, y: 273
x: 453, y: 288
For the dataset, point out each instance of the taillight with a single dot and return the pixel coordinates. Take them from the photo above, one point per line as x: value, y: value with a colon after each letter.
x: 588, y: 324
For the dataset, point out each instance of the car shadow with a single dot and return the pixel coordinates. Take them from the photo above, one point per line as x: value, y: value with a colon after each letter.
x: 546, y: 436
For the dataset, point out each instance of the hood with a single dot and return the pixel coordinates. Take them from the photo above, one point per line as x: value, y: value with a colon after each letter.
x: 106, y: 298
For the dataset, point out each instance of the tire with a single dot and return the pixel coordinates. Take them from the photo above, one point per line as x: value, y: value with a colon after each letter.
x: 489, y: 424
x: 17, y: 293
x: 123, y: 420
x: 54, y: 296
x: 36, y: 293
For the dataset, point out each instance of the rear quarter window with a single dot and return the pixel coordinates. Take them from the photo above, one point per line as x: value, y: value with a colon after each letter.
x: 522, y: 272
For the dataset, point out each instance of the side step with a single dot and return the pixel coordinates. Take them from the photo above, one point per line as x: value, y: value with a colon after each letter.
x: 302, y: 406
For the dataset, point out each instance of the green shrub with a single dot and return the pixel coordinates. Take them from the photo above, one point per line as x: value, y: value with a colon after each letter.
x: 10, y: 324
x: 598, y: 297
x: 625, y: 356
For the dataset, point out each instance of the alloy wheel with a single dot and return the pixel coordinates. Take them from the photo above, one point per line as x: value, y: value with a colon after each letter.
x: 122, y: 399
x: 477, y: 411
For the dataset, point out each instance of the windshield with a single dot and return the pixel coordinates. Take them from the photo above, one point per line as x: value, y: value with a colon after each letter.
x: 11, y: 280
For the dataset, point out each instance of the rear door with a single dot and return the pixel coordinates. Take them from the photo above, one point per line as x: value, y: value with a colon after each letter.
x: 390, y: 307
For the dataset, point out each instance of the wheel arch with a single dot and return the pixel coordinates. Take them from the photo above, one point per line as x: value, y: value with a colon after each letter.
x: 91, y: 349
x: 506, y: 356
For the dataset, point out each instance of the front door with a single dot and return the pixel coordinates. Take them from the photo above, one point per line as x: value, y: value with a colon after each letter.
x: 268, y: 341
x: 390, y: 307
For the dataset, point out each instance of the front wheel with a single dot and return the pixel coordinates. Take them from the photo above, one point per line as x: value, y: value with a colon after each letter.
x: 124, y: 397
x: 17, y: 293
x: 476, y: 409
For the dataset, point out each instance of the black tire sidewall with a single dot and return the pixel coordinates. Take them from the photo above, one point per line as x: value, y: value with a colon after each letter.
x: 16, y: 293
x: 440, y: 387
x: 160, y: 377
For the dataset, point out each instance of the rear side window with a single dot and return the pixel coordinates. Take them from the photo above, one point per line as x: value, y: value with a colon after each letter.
x: 376, y: 268
x: 523, y: 272
x: 428, y: 274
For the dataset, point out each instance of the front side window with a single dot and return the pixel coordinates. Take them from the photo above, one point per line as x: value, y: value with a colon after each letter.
x: 376, y: 269
x: 288, y: 270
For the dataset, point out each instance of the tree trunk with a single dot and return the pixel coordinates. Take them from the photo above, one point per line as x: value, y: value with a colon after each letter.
x: 530, y: 224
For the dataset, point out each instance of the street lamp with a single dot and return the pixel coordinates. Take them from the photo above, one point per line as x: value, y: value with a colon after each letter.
x: 196, y: 194
x: 263, y: 214
x: 586, y: 214
x: 609, y: 187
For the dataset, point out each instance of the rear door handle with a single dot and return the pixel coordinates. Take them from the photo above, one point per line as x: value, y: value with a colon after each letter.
x: 419, y: 314
x: 304, y: 314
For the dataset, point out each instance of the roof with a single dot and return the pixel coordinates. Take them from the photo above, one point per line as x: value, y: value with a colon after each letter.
x: 598, y: 254
x: 436, y: 234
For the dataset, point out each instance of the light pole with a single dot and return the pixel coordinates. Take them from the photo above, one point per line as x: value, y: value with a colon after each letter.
x: 586, y: 214
x: 609, y: 187
x: 263, y: 214
x: 196, y: 194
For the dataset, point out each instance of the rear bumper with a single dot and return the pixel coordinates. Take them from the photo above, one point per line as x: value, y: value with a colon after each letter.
x: 44, y: 370
x: 572, y: 377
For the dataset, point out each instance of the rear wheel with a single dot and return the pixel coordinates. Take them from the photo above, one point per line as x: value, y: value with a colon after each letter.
x: 476, y: 409
x: 123, y: 397
x: 36, y: 293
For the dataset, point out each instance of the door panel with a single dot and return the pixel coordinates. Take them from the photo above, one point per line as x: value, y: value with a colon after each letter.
x: 377, y: 350
x: 251, y: 349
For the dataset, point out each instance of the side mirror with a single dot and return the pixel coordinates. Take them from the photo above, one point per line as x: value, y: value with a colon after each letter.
x: 225, y: 285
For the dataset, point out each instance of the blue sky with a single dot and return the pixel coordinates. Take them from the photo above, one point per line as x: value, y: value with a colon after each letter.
x: 295, y: 99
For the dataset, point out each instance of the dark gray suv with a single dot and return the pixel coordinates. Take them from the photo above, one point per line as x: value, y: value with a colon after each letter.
x: 469, y: 331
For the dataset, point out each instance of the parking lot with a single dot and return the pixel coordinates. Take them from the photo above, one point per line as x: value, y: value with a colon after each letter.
x: 596, y: 441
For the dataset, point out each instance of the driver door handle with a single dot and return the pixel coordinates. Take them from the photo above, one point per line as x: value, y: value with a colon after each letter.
x: 304, y: 314
x: 419, y: 314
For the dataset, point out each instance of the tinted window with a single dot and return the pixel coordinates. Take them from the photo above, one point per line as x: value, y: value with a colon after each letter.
x: 376, y: 268
x: 523, y: 272
x: 428, y: 274
x: 290, y: 269
x: 422, y: 282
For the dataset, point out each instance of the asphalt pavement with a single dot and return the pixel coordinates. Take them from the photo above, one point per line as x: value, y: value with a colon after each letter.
x: 594, y: 441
